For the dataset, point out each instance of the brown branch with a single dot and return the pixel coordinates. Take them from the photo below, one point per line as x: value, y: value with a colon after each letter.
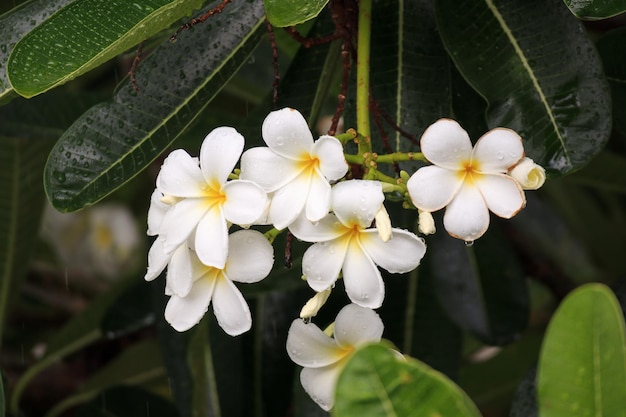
x: 270, y: 31
x: 133, y: 68
x: 201, y: 19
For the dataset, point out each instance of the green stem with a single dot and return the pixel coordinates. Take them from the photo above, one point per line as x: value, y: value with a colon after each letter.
x: 399, y: 157
x: 363, y: 75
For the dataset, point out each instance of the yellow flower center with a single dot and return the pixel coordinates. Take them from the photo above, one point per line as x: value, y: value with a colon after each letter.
x: 308, y: 163
x: 213, y: 194
x: 470, y: 171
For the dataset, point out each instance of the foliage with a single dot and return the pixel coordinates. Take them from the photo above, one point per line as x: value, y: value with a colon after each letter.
x: 473, y: 321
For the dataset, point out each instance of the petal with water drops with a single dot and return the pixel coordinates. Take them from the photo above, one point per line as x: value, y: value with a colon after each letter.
x: 402, y: 253
x: 219, y: 154
x: 250, y: 256
x: 356, y: 202
x: 431, y: 188
x: 503, y: 195
x: 498, y: 150
x: 308, y: 346
x: 329, y: 152
x: 230, y: 308
x: 446, y: 144
x: 185, y: 312
x: 467, y: 216
x: 181, y: 176
x: 356, y: 325
x: 362, y: 278
x: 286, y: 132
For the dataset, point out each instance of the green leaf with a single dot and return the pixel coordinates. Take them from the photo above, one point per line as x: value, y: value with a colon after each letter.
x: 595, y: 9
x: 582, y: 367
x: 604, y: 172
x: 131, y: 311
x: 283, y: 13
x: 13, y: 26
x: 120, y: 138
x: 128, y: 402
x: 376, y: 382
x: 2, y: 399
x: 204, y: 397
x: 536, y: 67
x: 85, y: 34
x: 610, y: 47
x: 481, y: 287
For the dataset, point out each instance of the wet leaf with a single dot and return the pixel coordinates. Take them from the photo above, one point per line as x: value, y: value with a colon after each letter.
x: 283, y: 13
x: 595, y: 9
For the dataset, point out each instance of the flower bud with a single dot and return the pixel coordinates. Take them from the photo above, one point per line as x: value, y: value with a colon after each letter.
x: 312, y: 306
x: 383, y: 224
x: 528, y: 174
x: 426, y: 223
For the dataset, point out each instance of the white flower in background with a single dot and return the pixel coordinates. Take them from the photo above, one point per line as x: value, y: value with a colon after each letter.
x: 203, y: 201
x: 294, y: 168
x: 250, y: 259
x: 323, y: 357
x: 529, y: 175
x: 470, y: 182
x: 346, y: 243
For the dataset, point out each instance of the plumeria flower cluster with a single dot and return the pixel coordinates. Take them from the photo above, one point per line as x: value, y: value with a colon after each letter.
x: 295, y: 184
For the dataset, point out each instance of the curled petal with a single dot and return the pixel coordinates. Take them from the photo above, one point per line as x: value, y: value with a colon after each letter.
x: 362, y: 278
x: 329, y: 152
x: 467, y: 216
x: 268, y: 169
x: 322, y: 263
x: 431, y: 188
x: 318, y: 200
x: 157, y: 259
x: 503, y: 195
x: 185, y: 312
x: 179, y: 272
x: 356, y: 325
x: 180, y: 221
x: 286, y: 132
x: 219, y: 154
x: 245, y: 202
x: 356, y: 202
x: 320, y: 383
x: 288, y: 202
x: 446, y: 144
x: 308, y: 346
x: 230, y: 308
x: 250, y: 256
x: 211, y: 243
x: 497, y: 150
x: 402, y: 253
x: 180, y: 176
x: 328, y: 228
x: 529, y: 175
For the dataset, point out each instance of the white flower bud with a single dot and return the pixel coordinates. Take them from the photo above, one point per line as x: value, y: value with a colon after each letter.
x: 383, y: 223
x: 312, y: 306
x: 426, y: 223
x: 528, y: 174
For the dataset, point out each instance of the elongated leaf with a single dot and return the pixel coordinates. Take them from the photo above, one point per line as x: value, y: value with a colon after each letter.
x: 205, y: 401
x: 595, y: 9
x: 283, y: 13
x: 128, y: 402
x: 582, y: 368
x: 85, y: 34
x: 534, y: 64
x: 481, y: 287
x: 13, y: 26
x: 375, y: 382
x: 118, y: 139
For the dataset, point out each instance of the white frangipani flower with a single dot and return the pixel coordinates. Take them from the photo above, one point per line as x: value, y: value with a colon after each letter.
x: 203, y: 198
x: 250, y: 259
x: 529, y: 175
x: 323, y: 357
x: 294, y: 168
x: 470, y: 182
x: 346, y: 243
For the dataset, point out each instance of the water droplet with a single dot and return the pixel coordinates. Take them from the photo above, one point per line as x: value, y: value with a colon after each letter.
x: 469, y: 243
x: 500, y: 156
x: 59, y: 176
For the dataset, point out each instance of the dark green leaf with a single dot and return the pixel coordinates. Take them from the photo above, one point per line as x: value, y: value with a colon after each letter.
x: 541, y: 75
x: 85, y: 34
x: 131, y: 311
x: 582, y: 368
x: 283, y: 13
x: 128, y: 402
x: 596, y: 9
x: 482, y: 287
x: 120, y: 138
x: 610, y: 47
x: 375, y: 382
x: 604, y: 172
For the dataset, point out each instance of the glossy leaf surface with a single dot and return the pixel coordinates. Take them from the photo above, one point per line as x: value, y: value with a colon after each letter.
x: 376, y: 382
x: 283, y: 13
x: 85, y: 34
x: 595, y: 9
x: 534, y: 64
x: 113, y: 141
x: 582, y: 367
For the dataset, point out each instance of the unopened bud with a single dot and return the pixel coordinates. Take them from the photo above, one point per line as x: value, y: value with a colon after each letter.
x: 383, y: 224
x: 426, y: 223
x: 528, y: 174
x: 170, y: 200
x: 312, y: 306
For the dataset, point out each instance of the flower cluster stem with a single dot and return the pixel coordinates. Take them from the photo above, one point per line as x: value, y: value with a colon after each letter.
x: 363, y: 76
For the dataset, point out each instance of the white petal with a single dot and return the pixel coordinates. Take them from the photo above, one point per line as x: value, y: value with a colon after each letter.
x: 156, y: 212
x: 447, y: 144
x: 286, y: 132
x: 211, y: 242
x: 322, y: 262
x: 230, y: 308
x: 402, y: 253
x: 529, y: 175
x: 431, y: 188
x: 308, y: 346
x: 219, y: 154
x: 245, y: 202
x: 185, y: 312
x: 329, y: 152
x: 503, y: 195
x: 467, y: 216
x: 180, y: 176
x: 356, y: 325
x: 498, y: 150
x: 320, y: 383
x: 289, y: 201
x: 328, y: 228
x: 318, y: 200
x: 362, y: 278
x: 268, y: 169
x: 356, y: 202
x: 179, y: 272
x: 250, y: 256
x: 157, y: 259
x: 180, y: 221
